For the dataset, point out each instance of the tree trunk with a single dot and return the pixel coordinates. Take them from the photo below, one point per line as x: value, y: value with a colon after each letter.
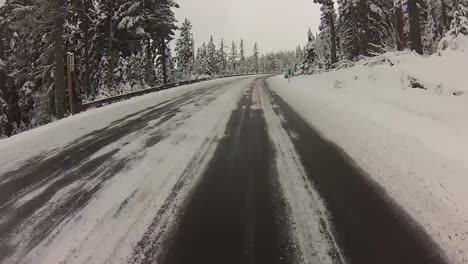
x: 86, y: 48
x: 334, y: 59
x: 3, y: 75
x: 415, y: 28
x: 110, y: 68
x: 444, y: 15
x: 363, y: 12
x: 4, y: 127
x: 163, y: 60
x: 398, y: 16
x: 59, y: 76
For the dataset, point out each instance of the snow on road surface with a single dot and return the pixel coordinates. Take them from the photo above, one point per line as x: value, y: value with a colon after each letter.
x: 412, y: 142
x: 85, y: 189
x: 134, y: 182
x: 53, y: 136
x: 308, y: 211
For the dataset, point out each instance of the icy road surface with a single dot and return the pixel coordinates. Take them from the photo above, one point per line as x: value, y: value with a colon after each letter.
x: 217, y: 172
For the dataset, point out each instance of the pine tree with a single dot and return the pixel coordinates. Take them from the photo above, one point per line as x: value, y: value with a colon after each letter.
x: 429, y: 34
x: 459, y: 26
x: 171, y: 70
x: 233, y: 57
x: 164, y: 26
x: 365, y: 27
x: 222, y: 59
x: 311, y: 54
x: 299, y: 59
x: 328, y: 26
x: 212, y: 57
x: 202, y: 60
x: 445, y: 10
x: 241, y: 57
x: 184, y: 49
x: 149, y: 21
x: 256, y: 57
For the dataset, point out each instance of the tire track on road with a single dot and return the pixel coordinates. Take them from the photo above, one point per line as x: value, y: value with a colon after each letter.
x: 232, y: 214
x: 78, y: 172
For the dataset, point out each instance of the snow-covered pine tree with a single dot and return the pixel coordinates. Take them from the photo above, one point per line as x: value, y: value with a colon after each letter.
x: 153, y: 23
x: 163, y: 30
x: 430, y: 32
x: 274, y: 62
x: 444, y: 10
x: 184, y: 50
x: 233, y: 57
x: 415, y: 26
x: 242, y: 65
x: 299, y: 60
x: 197, y: 62
x: 365, y: 27
x: 212, y: 58
x: 222, y: 59
x: 458, y: 28
x: 310, y: 58
x: 256, y: 57
x: 202, y: 60
x: 328, y: 27
x: 31, y: 29
x: 380, y: 26
x: 171, y: 69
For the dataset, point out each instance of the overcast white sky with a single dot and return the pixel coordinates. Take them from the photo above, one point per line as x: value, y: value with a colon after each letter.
x: 274, y: 24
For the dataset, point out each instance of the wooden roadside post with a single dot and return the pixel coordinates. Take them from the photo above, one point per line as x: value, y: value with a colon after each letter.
x: 71, y: 69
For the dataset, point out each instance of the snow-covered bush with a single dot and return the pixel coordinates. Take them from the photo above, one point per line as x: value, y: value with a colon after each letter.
x: 457, y: 36
x: 127, y: 76
x: 42, y: 107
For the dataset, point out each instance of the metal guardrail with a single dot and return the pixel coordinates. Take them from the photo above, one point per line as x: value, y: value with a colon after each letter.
x: 117, y: 98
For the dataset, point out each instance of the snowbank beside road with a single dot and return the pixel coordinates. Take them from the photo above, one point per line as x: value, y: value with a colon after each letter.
x: 411, y: 141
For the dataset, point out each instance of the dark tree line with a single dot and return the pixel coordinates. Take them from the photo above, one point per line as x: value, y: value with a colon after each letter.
x: 363, y: 28
x: 119, y: 46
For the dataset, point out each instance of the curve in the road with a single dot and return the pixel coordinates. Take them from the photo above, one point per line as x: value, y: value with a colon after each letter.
x: 250, y: 203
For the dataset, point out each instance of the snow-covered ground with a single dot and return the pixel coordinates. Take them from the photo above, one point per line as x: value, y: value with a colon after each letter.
x: 413, y: 142
x: 128, y: 190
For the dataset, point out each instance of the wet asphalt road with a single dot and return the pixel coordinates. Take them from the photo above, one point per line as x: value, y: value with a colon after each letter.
x: 236, y: 212
x: 234, y: 215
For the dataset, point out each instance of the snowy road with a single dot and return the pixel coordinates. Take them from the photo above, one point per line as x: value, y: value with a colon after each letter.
x: 218, y: 172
